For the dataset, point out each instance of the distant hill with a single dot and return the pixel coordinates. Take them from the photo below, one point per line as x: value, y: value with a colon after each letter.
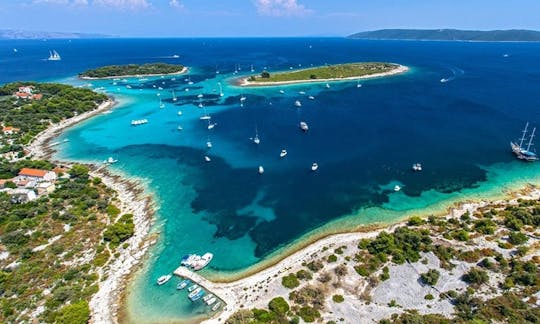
x: 25, y: 34
x: 512, y: 35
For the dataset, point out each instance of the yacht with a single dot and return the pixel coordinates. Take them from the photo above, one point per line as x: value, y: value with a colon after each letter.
x: 520, y: 151
x: 110, y: 160
x: 281, y: 91
x: 327, y: 86
x: 311, y: 98
x: 211, y: 125
x: 216, y: 306
x: 304, y: 126
x: 211, y: 301
x: 183, y: 284
x: 180, y: 128
x: 175, y: 56
x: 200, y: 105
x: 207, y: 158
x: 443, y: 80
x: 200, y: 96
x: 203, y: 261
x: 358, y: 84
x: 397, y: 188
x: 54, y: 56
x: 297, y: 103
x: 417, y: 167
x: 195, y: 292
x: 256, y: 139
x: 197, y: 296
x: 302, y: 92
x: 174, y: 96
x: 261, y: 169
x: 283, y: 153
x: 314, y: 167
x: 193, y: 287
x: 163, y: 279
x: 137, y: 122
x: 207, y: 297
x: 220, y: 90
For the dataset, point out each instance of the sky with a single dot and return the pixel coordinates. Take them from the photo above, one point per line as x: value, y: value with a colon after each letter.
x: 262, y: 18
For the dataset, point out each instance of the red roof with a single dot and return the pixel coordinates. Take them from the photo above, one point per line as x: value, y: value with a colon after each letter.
x: 32, y: 172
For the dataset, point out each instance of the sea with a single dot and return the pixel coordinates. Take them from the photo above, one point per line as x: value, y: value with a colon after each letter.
x: 455, y: 111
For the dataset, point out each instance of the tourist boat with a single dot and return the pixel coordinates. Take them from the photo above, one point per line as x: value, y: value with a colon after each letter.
x: 198, y: 296
x: 192, y: 287
x: 207, y: 297
x: 216, y: 306
x: 314, y: 167
x: 283, y: 153
x: 207, y: 158
x: 311, y: 98
x: 137, y: 122
x: 261, y: 169
x: 417, y: 167
x: 183, y: 284
x: 211, y: 301
x: 304, y: 126
x: 110, y: 160
x: 54, y: 56
x: 195, y: 292
x: 163, y: 279
x: 297, y: 103
x: 397, y: 188
x: 522, y: 153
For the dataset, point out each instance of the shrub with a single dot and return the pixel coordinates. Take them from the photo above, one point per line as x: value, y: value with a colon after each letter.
x: 76, y: 313
x: 429, y: 297
x: 461, y: 235
x: 517, y: 238
x: 309, y: 314
x: 290, y: 281
x: 315, y: 265
x: 431, y: 277
x: 385, y: 275
x: 415, y: 221
x: 265, y: 75
x: 476, y: 276
x: 304, y: 275
x: 278, y: 305
x: 332, y: 258
x: 338, y: 298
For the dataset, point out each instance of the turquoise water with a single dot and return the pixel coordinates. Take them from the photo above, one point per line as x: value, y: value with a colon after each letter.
x: 364, y: 140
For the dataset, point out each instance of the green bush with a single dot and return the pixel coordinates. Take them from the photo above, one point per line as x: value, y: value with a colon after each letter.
x: 517, y: 238
x: 415, y: 221
x: 429, y: 297
x: 278, y: 305
x: 332, y: 258
x: 76, y: 313
x: 338, y: 298
x: 308, y: 314
x: 290, y: 281
x: 430, y: 277
x: 476, y: 276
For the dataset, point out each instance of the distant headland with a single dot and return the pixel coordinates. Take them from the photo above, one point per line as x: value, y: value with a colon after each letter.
x: 133, y: 70
x: 512, y: 35
x: 28, y: 34
x: 327, y: 73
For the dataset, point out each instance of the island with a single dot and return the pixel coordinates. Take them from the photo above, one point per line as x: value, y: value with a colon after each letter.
x: 132, y: 70
x: 513, y: 35
x: 327, y: 73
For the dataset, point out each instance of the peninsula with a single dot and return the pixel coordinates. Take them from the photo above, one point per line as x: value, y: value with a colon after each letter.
x: 513, y: 35
x: 328, y: 73
x: 132, y: 70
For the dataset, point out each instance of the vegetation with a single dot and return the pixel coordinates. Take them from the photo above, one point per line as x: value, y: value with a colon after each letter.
x: 476, y: 276
x: 430, y: 278
x: 338, y: 71
x: 58, y: 102
x: 132, y: 69
x: 279, y: 306
x: 290, y: 281
x: 338, y: 298
x: 451, y: 35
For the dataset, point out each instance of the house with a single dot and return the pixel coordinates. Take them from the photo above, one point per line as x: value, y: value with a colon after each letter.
x: 8, y: 130
x: 37, y: 175
x: 26, y: 89
x: 45, y: 188
x: 27, y: 92
x: 21, y: 196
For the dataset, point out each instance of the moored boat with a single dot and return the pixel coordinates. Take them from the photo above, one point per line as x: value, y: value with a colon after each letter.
x: 183, y: 284
x: 194, y: 292
x: 314, y: 167
x: 283, y: 153
x: 211, y: 301
x: 261, y: 169
x: 163, y: 279
x: 193, y: 287
x: 522, y: 153
x: 304, y: 126
x: 216, y: 306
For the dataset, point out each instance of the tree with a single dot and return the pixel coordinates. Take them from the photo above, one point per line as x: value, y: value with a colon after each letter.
x: 278, y: 305
x: 290, y: 281
x: 476, y: 276
x: 265, y: 75
x: 77, y: 313
x: 431, y: 277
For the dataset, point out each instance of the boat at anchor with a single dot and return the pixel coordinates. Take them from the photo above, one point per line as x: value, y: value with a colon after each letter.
x: 522, y: 153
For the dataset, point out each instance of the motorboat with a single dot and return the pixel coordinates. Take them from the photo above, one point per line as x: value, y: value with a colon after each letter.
x: 207, y: 158
x: 283, y: 153
x: 183, y: 284
x: 261, y: 169
x: 297, y: 103
x: 304, y: 126
x: 163, y: 279
x: 397, y: 188
x: 314, y: 167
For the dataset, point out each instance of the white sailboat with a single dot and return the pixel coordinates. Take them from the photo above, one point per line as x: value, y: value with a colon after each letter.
x: 220, y: 89
x: 54, y: 56
x: 256, y: 139
x: 174, y: 96
x: 161, y: 104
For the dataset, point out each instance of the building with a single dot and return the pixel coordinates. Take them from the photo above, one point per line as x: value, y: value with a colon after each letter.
x: 8, y: 130
x: 37, y: 175
x: 27, y: 92
x: 21, y: 196
x: 45, y: 188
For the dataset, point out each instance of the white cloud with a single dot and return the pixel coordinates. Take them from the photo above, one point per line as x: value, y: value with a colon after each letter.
x: 58, y: 2
x: 123, y: 4
x: 81, y: 3
x: 281, y: 8
x: 176, y: 4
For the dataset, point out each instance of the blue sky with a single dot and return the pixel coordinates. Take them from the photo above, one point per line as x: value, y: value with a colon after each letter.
x: 199, y: 18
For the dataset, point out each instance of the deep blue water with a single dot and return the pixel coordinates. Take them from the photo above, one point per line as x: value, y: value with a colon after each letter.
x: 362, y: 138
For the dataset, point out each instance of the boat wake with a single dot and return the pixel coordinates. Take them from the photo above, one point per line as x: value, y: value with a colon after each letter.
x: 456, y: 73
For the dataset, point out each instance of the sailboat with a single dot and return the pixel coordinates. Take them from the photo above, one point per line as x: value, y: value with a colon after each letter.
x: 256, y: 139
x: 220, y: 89
x: 161, y: 104
x: 205, y: 116
x: 174, y: 96
x: 358, y: 84
x: 522, y: 153
x: 252, y: 69
x: 54, y: 56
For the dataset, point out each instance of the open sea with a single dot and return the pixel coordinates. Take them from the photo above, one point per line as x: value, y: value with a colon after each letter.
x: 364, y: 139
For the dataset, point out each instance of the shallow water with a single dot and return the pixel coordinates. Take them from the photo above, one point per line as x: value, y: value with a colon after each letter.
x: 364, y: 140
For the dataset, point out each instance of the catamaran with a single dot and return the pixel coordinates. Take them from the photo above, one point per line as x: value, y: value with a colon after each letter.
x: 522, y: 153
x: 54, y: 56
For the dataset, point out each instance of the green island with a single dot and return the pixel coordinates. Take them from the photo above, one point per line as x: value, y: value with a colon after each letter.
x: 47, y: 272
x: 113, y: 71
x: 477, y: 267
x: 323, y: 73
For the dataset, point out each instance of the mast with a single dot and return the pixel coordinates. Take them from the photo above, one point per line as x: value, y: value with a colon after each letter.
x: 531, y: 139
x: 524, y: 133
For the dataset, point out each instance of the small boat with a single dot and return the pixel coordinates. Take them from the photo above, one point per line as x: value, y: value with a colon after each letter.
x: 311, y: 98
x: 261, y: 169
x: 198, y: 296
x: 506, y: 55
x: 211, y: 301
x: 15, y: 50
x: 180, y: 113
x: 200, y: 105
x: 207, y: 158
x: 256, y: 139
x: 195, y: 292
x: 161, y: 104
x: 327, y: 86
x: 397, y: 188
x: 302, y: 92
x: 54, y: 56
x: 110, y: 160
x: 358, y: 84
x: 207, y: 297
x: 163, y: 279
x: 203, y: 261
x: 183, y: 284
x: 174, y: 96
x: 216, y: 306
x: 128, y: 86
x: 242, y: 98
x: 137, y: 122
x: 180, y: 128
x: 200, y: 96
x: 220, y: 90
x: 443, y: 80
x: 522, y: 153
x: 160, y: 88
x: 252, y: 69
x: 193, y: 287
x: 283, y: 153
x: 175, y: 56
x: 314, y: 167
x: 209, y: 144
x: 417, y: 167
x: 304, y: 126
x: 211, y: 125
x: 281, y: 91
x: 205, y: 117
x: 297, y: 103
